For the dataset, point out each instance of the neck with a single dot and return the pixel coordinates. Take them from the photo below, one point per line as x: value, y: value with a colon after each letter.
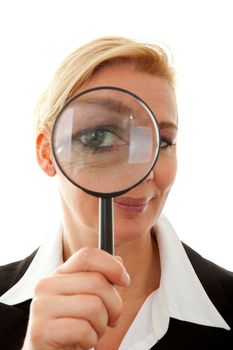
x: 75, y: 234
x: 141, y: 259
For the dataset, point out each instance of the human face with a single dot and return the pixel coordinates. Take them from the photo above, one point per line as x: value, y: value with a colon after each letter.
x: 137, y: 210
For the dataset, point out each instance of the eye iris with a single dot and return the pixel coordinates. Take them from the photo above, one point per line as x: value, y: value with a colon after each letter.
x: 94, y: 138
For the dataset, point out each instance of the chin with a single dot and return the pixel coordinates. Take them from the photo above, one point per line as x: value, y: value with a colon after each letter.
x: 134, y: 229
x: 131, y: 230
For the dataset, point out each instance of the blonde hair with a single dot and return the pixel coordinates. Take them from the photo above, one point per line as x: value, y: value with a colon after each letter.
x: 80, y: 65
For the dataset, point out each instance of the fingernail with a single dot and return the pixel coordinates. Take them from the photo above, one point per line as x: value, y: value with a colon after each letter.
x: 119, y: 258
x: 114, y: 324
x: 125, y: 278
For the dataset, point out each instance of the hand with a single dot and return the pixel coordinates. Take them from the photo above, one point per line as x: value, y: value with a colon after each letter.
x: 72, y: 308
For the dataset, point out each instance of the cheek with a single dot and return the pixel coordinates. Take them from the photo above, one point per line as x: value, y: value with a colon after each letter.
x: 165, y: 171
x: 78, y: 205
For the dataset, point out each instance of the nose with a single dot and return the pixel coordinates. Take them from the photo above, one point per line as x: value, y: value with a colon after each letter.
x: 150, y: 176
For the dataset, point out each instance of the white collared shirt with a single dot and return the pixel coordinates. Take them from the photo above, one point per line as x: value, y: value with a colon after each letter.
x: 180, y: 294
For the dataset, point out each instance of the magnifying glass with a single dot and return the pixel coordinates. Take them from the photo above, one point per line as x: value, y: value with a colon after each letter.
x: 106, y: 141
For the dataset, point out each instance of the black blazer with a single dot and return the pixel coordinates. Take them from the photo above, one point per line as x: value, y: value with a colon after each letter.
x: 181, y: 335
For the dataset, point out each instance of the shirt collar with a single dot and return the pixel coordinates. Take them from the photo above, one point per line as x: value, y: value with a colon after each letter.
x: 45, y: 262
x: 180, y: 295
x: 182, y: 291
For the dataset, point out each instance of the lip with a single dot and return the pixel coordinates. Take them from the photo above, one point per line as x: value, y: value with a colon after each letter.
x: 131, y: 205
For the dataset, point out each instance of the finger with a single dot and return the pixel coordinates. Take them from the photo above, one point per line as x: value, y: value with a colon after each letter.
x: 93, y: 259
x: 76, y: 333
x: 91, y: 283
x: 87, y: 307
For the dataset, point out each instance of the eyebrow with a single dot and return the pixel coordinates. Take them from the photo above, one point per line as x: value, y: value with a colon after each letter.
x: 112, y: 104
x: 119, y: 107
x: 166, y: 125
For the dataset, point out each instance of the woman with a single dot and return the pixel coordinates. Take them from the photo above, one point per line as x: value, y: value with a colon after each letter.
x: 155, y: 292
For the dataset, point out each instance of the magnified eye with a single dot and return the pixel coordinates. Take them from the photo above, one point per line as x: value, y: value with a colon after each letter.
x: 99, y: 139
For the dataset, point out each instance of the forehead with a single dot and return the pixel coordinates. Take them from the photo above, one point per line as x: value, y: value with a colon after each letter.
x: 154, y: 90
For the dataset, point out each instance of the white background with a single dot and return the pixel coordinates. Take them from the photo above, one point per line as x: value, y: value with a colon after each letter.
x: 37, y: 35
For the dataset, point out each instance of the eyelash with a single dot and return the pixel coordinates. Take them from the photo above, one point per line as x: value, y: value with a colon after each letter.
x: 169, y: 143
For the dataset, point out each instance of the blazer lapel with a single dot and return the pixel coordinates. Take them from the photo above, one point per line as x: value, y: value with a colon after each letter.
x: 13, y: 324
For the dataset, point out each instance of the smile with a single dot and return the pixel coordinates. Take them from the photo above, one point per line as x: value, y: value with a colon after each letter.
x: 132, y: 205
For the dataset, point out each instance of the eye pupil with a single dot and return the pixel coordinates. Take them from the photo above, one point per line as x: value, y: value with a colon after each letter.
x: 94, y: 138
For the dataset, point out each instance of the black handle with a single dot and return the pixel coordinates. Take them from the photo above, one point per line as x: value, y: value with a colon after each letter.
x: 106, y: 234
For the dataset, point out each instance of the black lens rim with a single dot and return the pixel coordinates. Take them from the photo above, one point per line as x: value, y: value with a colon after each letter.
x: 97, y: 88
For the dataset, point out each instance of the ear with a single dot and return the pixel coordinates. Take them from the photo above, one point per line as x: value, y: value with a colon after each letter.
x: 44, y: 153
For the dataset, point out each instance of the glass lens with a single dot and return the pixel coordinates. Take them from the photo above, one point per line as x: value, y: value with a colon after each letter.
x: 105, y: 140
